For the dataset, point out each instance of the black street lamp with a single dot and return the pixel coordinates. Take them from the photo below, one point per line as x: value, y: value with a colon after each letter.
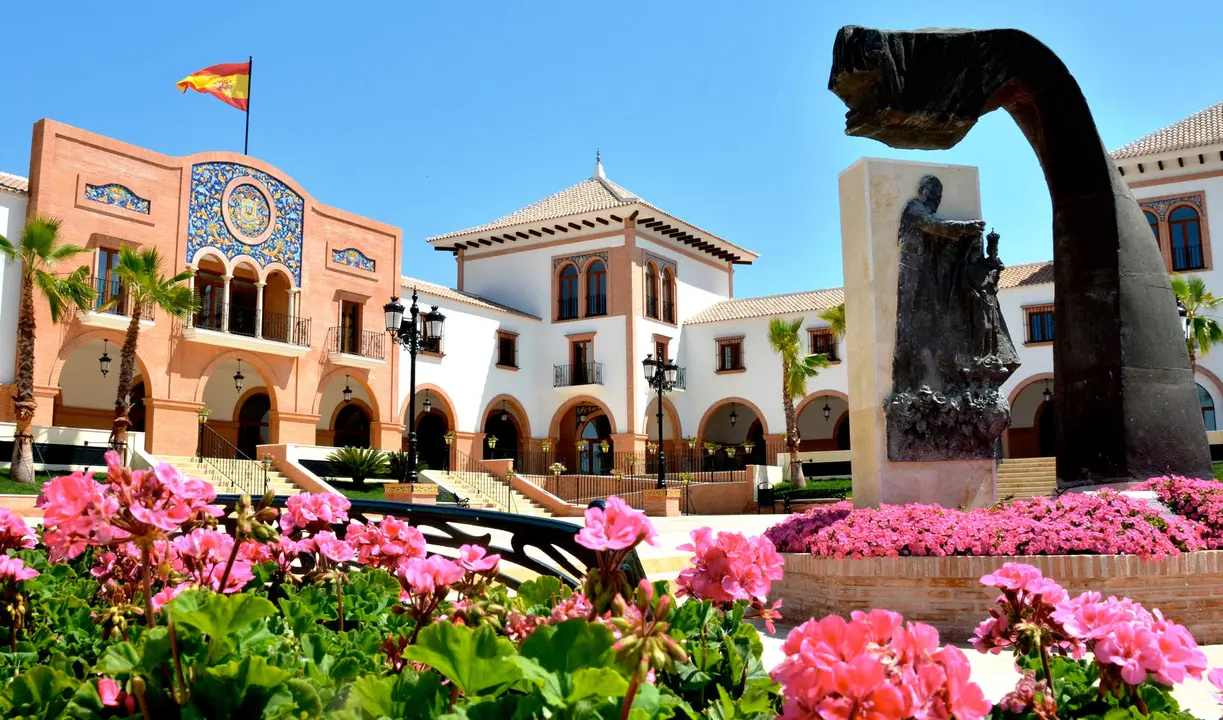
x: 827, y: 411
x: 660, y: 375
x: 407, y: 332
x: 347, y: 390
x: 239, y: 378
x: 104, y: 361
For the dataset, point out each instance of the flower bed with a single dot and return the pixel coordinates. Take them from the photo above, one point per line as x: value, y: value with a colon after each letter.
x: 1107, y: 523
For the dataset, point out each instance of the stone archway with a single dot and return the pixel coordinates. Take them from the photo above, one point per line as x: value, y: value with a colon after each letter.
x: 351, y: 427
x: 254, y: 413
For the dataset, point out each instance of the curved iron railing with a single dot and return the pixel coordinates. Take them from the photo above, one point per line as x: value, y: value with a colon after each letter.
x: 452, y: 528
x: 241, y: 471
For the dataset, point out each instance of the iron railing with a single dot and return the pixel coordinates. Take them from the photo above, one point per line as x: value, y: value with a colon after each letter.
x: 365, y: 343
x: 668, y: 311
x: 1188, y: 258
x: 681, y: 379
x: 695, y: 465
x: 111, y: 297
x: 241, y: 471
x: 472, y: 475
x: 541, y: 545
x: 651, y: 307
x: 596, y: 305
x: 566, y: 308
x: 580, y: 374
x: 249, y: 322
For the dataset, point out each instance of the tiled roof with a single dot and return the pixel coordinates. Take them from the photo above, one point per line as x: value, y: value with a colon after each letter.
x: 1204, y: 127
x: 14, y: 183
x: 441, y: 291
x: 816, y: 300
x: 587, y: 196
x: 806, y: 301
x: 1024, y: 275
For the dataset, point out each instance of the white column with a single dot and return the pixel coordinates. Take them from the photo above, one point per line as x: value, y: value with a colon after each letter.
x: 225, y: 300
x: 259, y: 286
x: 191, y: 287
x: 293, y: 338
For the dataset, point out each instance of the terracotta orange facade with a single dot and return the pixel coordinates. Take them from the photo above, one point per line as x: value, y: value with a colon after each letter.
x: 291, y: 293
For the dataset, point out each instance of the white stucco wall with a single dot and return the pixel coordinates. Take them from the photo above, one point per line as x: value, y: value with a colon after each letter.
x: 12, y: 218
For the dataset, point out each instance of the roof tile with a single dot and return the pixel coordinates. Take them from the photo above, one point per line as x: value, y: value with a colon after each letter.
x: 14, y: 183
x: 441, y: 291
x: 1204, y: 127
x: 587, y: 196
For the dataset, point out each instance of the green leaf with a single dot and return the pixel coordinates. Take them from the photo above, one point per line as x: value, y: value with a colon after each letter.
x: 540, y: 591
x: 120, y: 658
x: 372, y: 694
x: 218, y: 616
x: 474, y: 660
x: 239, y: 688
x: 596, y: 683
x: 38, y: 692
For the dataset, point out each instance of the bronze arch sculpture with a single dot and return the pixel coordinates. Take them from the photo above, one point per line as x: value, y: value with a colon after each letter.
x: 1125, y: 399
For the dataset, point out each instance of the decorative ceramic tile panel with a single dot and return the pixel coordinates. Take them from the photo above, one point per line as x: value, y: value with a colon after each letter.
x: 243, y: 211
x: 1161, y: 207
x: 579, y: 260
x: 118, y: 196
x: 353, y: 257
x: 661, y: 262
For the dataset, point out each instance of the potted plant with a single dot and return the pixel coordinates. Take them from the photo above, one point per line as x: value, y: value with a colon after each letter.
x: 711, y: 448
x: 358, y: 463
x: 748, y: 447
x: 685, y: 478
x: 604, y: 445
x: 651, y: 446
x: 556, y: 469
x: 203, y: 414
x: 618, y: 473
x: 730, y: 451
x: 691, y: 442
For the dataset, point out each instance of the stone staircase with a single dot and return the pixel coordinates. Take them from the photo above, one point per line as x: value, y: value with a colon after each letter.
x: 1025, y: 478
x: 192, y: 467
x: 480, y: 489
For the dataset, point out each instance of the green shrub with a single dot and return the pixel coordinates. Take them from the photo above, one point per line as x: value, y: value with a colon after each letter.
x: 358, y: 463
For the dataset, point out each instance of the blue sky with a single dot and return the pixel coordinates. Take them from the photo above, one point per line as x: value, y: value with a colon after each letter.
x: 436, y: 117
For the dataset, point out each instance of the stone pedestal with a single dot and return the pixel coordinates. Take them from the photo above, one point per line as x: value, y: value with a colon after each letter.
x: 873, y: 193
x: 662, y: 503
x: 415, y: 493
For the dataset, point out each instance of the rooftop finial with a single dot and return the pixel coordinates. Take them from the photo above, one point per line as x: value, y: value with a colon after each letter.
x: 599, y: 165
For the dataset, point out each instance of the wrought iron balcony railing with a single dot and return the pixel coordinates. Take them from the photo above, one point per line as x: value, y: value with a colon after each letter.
x: 365, y: 343
x: 574, y: 375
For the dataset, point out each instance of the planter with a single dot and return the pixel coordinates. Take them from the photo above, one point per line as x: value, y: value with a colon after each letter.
x: 662, y: 503
x: 946, y: 592
x: 415, y: 493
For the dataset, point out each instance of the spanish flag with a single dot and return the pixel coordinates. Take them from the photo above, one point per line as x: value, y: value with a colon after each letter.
x: 229, y: 82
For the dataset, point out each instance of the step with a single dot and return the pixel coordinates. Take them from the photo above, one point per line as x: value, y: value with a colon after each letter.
x: 520, y: 504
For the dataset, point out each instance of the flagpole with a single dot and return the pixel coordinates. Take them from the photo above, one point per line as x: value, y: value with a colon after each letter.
x: 250, y: 78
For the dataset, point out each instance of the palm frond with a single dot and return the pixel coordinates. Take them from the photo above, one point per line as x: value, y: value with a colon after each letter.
x: 61, y: 253
x: 835, y: 317
x: 140, y: 272
x: 8, y: 249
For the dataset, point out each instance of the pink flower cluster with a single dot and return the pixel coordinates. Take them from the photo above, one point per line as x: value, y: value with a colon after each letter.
x: 875, y: 666
x: 313, y: 512
x: 1107, y: 523
x: 14, y: 570
x: 616, y: 527
x: 201, y: 556
x: 729, y: 567
x: 138, y: 505
x: 14, y: 533
x: 1130, y: 643
x: 389, y: 544
x: 1197, y: 500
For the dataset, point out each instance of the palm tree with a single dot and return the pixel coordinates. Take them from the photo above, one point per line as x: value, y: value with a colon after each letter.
x: 139, y: 273
x: 835, y: 317
x: 39, y: 252
x: 795, y: 369
x: 1203, y: 331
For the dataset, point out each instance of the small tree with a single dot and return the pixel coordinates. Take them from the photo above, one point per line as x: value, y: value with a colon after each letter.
x: 835, y: 317
x: 141, y: 280
x: 795, y: 369
x: 1204, y: 331
x: 39, y: 252
x: 358, y: 463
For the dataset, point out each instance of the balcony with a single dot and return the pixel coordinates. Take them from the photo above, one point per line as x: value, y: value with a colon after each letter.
x: 596, y: 305
x: 350, y: 347
x: 112, y: 306
x: 567, y: 309
x: 244, y: 327
x: 668, y: 312
x: 651, y: 307
x: 681, y: 380
x: 575, y: 375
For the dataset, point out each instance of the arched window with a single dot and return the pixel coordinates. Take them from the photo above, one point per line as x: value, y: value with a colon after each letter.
x: 1154, y: 223
x: 668, y: 295
x: 651, y: 291
x: 1186, y: 229
x: 569, y: 294
x: 596, y: 288
x: 1208, y: 408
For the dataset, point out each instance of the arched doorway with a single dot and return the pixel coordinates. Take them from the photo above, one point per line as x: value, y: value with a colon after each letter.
x: 843, y: 435
x: 253, y: 418
x: 351, y: 427
x: 591, y: 458
x: 819, y: 423
x: 1207, y: 404
x: 431, y: 448
x: 501, y: 425
x: 1046, y: 425
x: 136, y: 412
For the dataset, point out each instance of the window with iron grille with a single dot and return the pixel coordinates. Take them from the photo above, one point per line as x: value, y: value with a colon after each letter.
x: 507, y: 350
x: 1040, y: 324
x: 730, y: 354
x: 823, y: 342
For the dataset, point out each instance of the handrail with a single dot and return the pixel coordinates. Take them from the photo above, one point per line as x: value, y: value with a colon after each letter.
x: 351, y: 341
x: 231, y: 463
x: 590, y: 373
x: 451, y: 527
x: 249, y: 322
x: 112, y: 298
x: 481, y: 480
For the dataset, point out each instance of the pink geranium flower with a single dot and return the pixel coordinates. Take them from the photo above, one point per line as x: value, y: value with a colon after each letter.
x: 431, y: 575
x: 331, y: 547
x: 1216, y: 679
x: 14, y: 570
x: 14, y: 533
x: 616, y: 527
x: 313, y: 512
x: 387, y: 545
x: 474, y: 559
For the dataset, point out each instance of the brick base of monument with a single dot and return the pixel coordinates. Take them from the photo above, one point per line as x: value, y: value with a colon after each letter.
x: 946, y: 592
x: 415, y: 493
x: 662, y: 503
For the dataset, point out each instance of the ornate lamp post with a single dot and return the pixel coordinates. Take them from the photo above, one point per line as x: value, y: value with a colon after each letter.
x: 406, y: 331
x: 660, y: 375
